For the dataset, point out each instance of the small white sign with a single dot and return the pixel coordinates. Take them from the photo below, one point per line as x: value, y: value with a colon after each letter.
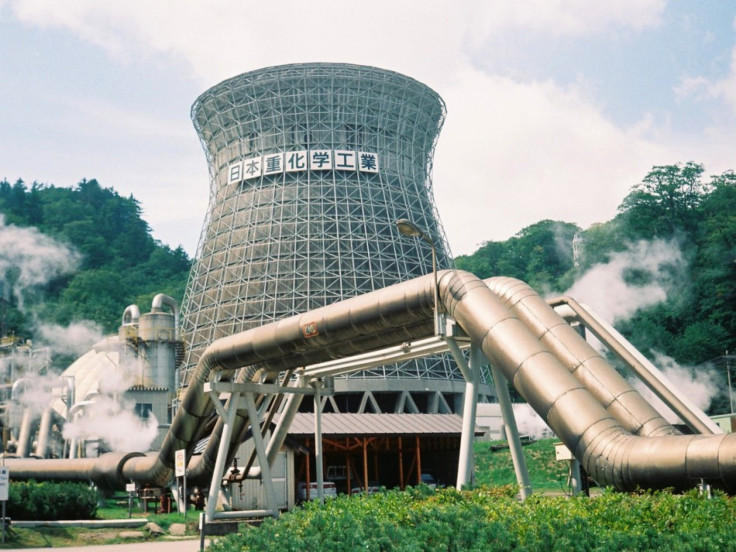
x: 180, y: 463
x: 130, y: 487
x: 4, y: 482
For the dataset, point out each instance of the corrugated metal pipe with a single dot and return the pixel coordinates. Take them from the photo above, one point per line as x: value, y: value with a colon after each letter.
x: 608, y: 452
x: 404, y: 312
x: 608, y: 387
x: 649, y: 374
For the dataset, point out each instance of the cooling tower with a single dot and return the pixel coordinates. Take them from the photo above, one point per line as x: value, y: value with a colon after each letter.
x: 310, y: 167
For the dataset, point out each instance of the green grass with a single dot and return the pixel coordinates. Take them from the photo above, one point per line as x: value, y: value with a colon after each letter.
x: 57, y: 537
x: 495, y: 468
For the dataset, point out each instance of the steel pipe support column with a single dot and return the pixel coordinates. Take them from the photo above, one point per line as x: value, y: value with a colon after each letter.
x: 318, y: 441
x: 512, y: 433
x: 266, y: 479
x: 470, y: 408
x: 229, y: 417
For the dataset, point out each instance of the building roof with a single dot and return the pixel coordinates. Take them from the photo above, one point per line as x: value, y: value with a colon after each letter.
x: 378, y: 424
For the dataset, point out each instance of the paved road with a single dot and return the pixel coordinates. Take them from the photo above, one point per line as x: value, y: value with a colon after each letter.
x: 187, y: 545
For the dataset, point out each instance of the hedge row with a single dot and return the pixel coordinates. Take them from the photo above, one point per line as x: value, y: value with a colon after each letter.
x: 483, y: 519
x: 45, y: 501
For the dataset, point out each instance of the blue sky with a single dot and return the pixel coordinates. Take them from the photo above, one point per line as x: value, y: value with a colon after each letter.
x: 555, y: 107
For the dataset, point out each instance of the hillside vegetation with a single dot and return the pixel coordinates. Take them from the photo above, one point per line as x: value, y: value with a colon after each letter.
x: 673, y: 240
x: 82, y: 253
x: 665, y: 265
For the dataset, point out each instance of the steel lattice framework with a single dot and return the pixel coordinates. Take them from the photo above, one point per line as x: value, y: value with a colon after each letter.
x: 290, y: 238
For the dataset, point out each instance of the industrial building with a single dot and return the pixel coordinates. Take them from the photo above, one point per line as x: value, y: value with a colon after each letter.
x: 323, y: 273
x: 311, y: 167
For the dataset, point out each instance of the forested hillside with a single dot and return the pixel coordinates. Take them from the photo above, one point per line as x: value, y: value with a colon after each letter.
x: 674, y: 238
x: 82, y: 253
x: 672, y: 246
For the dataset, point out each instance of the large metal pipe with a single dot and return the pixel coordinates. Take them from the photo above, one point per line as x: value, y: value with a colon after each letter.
x: 609, y: 388
x: 131, y: 315
x: 44, y: 431
x: 157, y: 305
x: 611, y: 454
x: 389, y: 317
x: 642, y: 367
x: 24, y: 434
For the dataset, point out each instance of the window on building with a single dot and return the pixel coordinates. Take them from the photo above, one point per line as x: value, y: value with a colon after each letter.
x: 143, y: 410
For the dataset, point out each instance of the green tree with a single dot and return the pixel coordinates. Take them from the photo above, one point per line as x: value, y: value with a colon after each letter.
x: 121, y: 262
x: 540, y: 254
x: 665, y: 201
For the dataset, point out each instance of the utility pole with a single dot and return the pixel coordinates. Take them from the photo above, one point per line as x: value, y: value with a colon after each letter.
x: 728, y: 377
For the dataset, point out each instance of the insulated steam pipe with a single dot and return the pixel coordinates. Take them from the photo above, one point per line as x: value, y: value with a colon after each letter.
x: 131, y: 314
x: 611, y: 454
x: 159, y: 301
x: 44, y: 429
x: 609, y: 388
x: 647, y: 372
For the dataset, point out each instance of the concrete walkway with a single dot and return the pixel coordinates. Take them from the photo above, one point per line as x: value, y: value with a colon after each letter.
x: 182, y: 545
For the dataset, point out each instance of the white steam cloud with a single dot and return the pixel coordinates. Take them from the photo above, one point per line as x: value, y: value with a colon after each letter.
x: 29, y: 260
x: 75, y: 339
x: 111, y: 418
x: 35, y: 392
x: 699, y: 384
x: 606, y: 290
x: 32, y: 257
x: 114, y: 422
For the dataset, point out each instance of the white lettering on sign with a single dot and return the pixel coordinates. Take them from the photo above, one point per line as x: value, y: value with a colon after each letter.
x: 300, y: 161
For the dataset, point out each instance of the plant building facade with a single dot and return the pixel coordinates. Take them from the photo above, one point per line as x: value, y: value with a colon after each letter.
x: 310, y: 167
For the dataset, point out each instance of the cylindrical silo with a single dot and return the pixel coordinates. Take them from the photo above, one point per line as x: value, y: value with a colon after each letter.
x: 311, y: 165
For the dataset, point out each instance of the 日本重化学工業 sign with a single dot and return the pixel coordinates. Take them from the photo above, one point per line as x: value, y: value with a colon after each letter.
x: 302, y: 160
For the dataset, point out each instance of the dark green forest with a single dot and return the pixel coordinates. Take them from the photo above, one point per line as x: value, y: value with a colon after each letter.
x: 115, y: 260
x: 676, y: 204
x: 119, y: 262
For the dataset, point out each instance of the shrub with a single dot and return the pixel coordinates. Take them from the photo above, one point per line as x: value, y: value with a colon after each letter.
x: 47, y: 501
x: 485, y: 519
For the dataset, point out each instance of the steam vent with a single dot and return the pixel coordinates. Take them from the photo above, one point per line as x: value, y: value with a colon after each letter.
x: 310, y: 166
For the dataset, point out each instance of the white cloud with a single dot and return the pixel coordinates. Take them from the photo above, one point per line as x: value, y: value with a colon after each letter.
x: 221, y: 38
x: 726, y: 88
x: 513, y: 153
x: 701, y: 89
x: 567, y: 17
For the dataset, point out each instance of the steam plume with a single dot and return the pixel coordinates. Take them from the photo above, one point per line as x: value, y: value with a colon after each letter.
x: 32, y: 258
x: 606, y: 288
